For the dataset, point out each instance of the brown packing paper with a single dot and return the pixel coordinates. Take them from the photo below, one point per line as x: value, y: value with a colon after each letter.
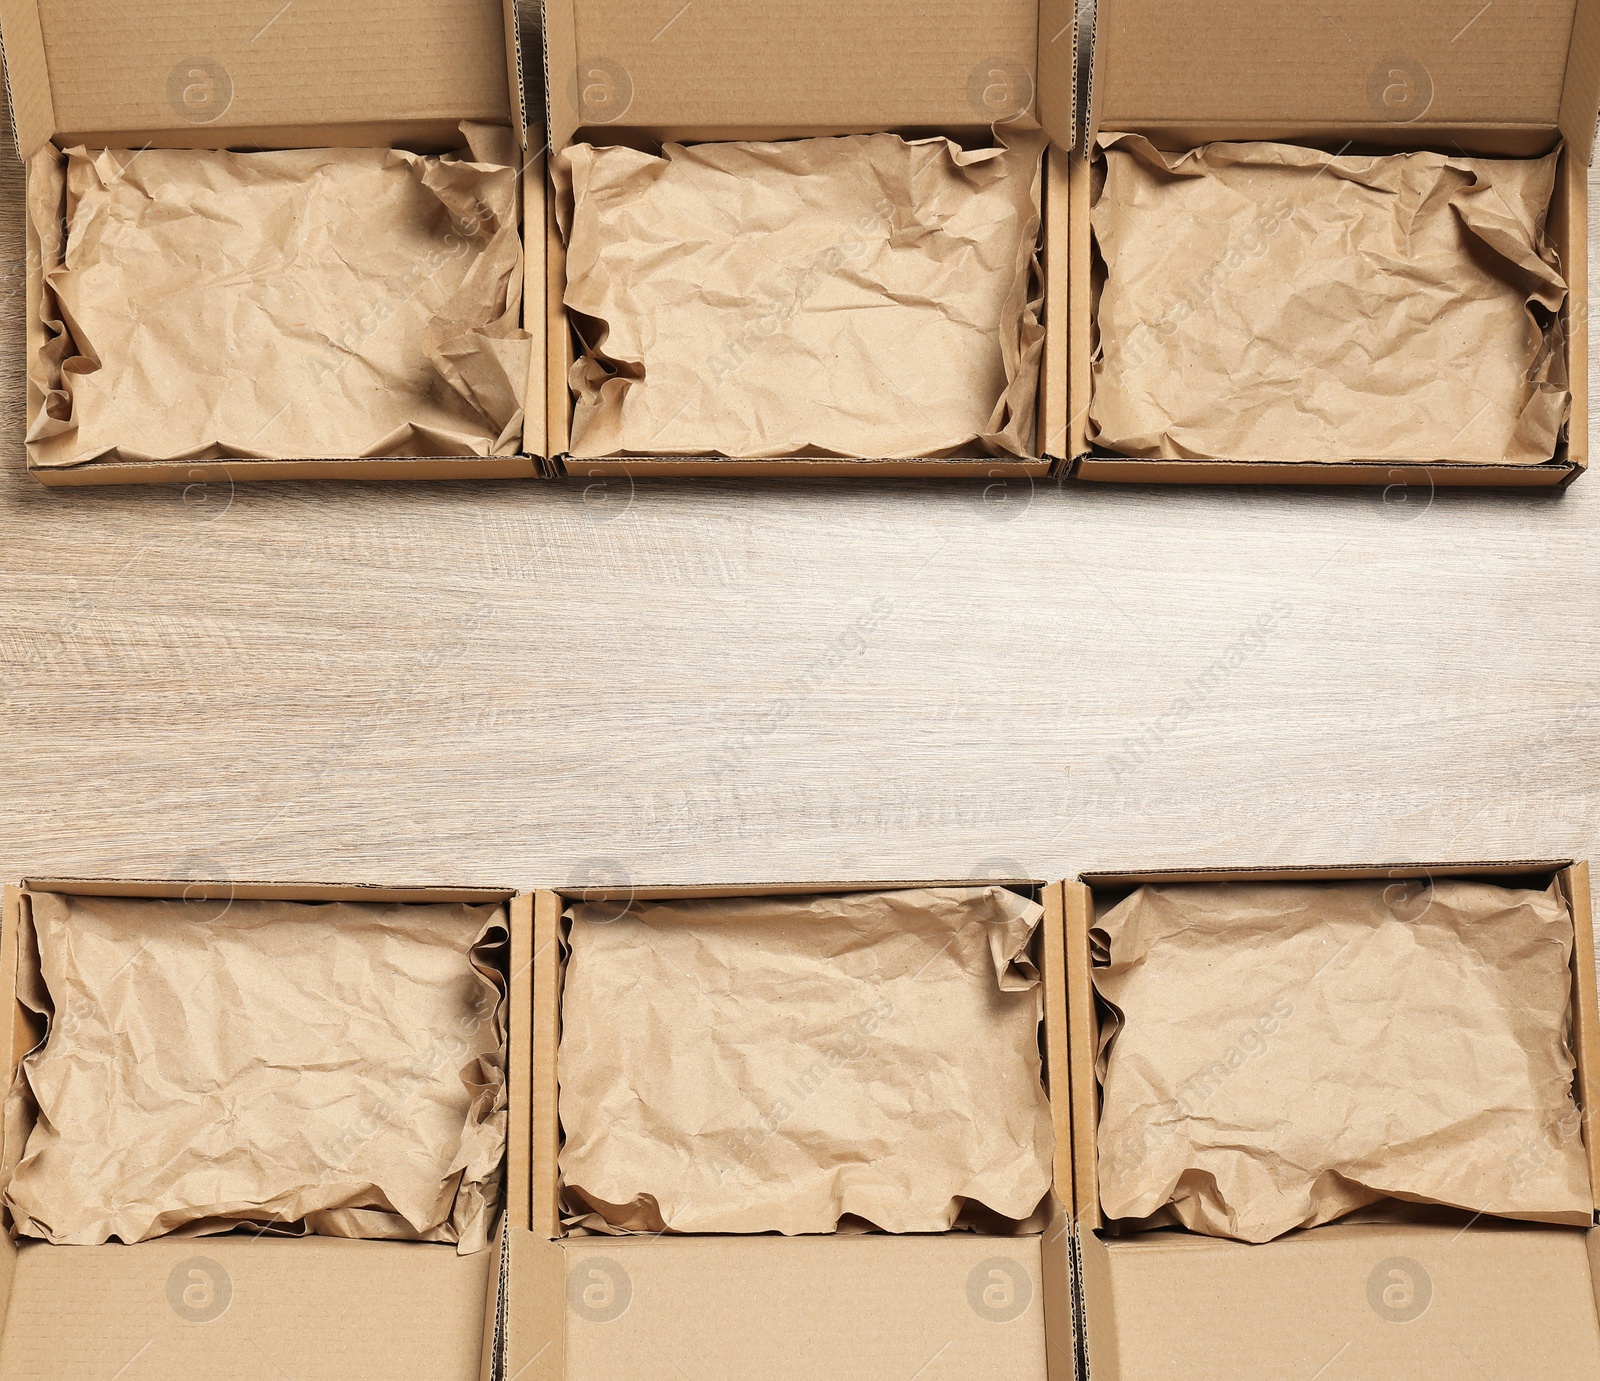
x: 297, y: 304
x: 1285, y: 1054
x: 857, y: 296
x: 337, y: 1069
x: 778, y: 1063
x: 1270, y: 302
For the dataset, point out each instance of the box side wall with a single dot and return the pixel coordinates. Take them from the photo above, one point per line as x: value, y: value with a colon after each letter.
x: 519, y: 1062
x: 1084, y: 1028
x: 1056, y: 1255
x: 226, y: 472
x: 1052, y: 422
x: 1569, y: 232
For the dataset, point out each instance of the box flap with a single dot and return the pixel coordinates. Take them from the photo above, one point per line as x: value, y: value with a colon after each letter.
x: 958, y: 1307
x: 726, y: 68
x: 1430, y: 1303
x: 199, y: 69
x: 192, y: 1309
x: 1349, y: 63
x: 536, y: 1308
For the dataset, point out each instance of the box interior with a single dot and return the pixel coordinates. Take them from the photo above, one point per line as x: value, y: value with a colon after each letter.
x: 187, y: 74
x: 1358, y: 76
x: 800, y: 69
x: 1515, y: 1298
x: 872, y: 1303
x: 193, y: 1308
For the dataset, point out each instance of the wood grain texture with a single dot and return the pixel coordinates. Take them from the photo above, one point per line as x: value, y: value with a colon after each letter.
x: 516, y: 683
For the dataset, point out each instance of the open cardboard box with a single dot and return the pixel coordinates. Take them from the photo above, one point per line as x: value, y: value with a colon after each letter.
x: 720, y: 1307
x: 1507, y: 80
x: 341, y: 73
x: 193, y: 1308
x: 1341, y: 1300
x: 726, y: 70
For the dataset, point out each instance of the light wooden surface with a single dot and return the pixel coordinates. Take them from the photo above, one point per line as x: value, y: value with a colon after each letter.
x: 518, y: 683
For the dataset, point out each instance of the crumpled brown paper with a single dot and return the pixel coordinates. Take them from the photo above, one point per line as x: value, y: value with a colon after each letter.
x: 296, y: 304
x: 336, y: 1069
x: 1270, y: 302
x: 856, y: 296
x: 776, y: 1063
x: 1287, y: 1053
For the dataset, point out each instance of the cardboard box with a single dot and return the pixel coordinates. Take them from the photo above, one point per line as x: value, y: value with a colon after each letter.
x: 1499, y: 80
x: 193, y: 1308
x: 1344, y: 1299
x: 724, y: 70
x: 718, y: 1307
x: 336, y: 74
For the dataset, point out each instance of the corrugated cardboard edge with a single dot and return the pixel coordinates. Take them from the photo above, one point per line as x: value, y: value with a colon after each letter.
x: 514, y: 77
x: 1580, y: 88
x: 33, y: 114
x: 1095, y: 1291
x: 1090, y: 125
x: 494, y: 1308
x: 560, y: 26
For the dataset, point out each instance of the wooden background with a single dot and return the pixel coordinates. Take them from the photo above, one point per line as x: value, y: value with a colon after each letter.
x: 515, y: 683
